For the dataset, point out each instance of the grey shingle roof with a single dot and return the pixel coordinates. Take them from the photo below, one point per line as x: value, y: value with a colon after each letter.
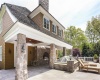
x: 21, y: 13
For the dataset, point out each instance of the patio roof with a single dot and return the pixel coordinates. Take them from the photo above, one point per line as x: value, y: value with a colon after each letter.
x: 19, y: 27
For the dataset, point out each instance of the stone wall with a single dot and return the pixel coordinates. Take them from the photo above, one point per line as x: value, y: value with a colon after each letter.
x: 64, y: 66
x: 40, y: 53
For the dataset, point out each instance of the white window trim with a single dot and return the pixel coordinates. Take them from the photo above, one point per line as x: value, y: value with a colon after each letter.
x: 61, y: 33
x: 1, y: 28
x: 43, y: 23
x: 1, y: 53
x: 56, y: 28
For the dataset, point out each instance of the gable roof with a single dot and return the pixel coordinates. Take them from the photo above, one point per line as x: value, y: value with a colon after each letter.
x: 41, y: 9
x: 22, y: 13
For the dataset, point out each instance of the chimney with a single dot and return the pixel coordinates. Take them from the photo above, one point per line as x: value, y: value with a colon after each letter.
x: 44, y: 4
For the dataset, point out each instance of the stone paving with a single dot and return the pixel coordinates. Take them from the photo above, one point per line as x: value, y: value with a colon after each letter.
x: 44, y: 73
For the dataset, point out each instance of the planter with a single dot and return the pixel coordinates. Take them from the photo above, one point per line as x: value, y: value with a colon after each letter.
x: 95, y: 60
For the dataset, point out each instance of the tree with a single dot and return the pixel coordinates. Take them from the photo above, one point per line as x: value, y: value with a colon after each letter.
x: 87, y: 50
x: 97, y: 48
x: 96, y: 23
x: 92, y: 30
x: 75, y: 37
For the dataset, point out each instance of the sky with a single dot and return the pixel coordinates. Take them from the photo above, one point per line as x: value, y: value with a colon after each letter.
x: 67, y: 12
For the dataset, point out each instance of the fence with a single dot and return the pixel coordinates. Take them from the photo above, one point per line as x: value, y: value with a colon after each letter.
x: 87, y: 58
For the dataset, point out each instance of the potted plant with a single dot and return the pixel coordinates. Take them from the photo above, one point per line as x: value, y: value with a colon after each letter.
x: 95, y: 57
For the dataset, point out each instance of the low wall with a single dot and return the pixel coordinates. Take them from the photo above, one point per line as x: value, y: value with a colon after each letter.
x: 64, y: 66
x: 0, y: 65
x: 60, y: 66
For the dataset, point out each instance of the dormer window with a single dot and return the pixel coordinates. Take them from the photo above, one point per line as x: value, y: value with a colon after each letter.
x: 0, y: 26
x: 54, y: 28
x: 60, y: 33
x: 46, y: 23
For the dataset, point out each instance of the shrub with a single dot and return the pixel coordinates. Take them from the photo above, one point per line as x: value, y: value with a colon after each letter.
x: 76, y: 52
x: 95, y: 56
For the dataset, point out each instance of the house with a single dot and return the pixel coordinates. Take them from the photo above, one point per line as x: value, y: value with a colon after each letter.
x: 27, y: 37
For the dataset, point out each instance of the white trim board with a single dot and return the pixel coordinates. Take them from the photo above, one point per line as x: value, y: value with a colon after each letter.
x: 33, y: 34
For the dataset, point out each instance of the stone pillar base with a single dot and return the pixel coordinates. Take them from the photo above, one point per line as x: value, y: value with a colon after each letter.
x: 70, y: 66
x: 53, y: 57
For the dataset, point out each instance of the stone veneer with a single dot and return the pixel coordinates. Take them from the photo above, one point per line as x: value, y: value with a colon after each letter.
x: 44, y: 4
x: 21, y: 63
x: 70, y: 66
x: 53, y: 57
x: 40, y: 53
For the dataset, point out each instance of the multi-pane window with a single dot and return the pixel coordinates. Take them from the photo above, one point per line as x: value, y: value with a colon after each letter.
x: 0, y: 53
x: 0, y: 26
x: 46, y: 23
x: 54, y: 28
x: 60, y: 33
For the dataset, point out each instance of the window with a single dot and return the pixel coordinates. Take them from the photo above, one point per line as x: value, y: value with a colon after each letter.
x: 0, y: 26
x: 0, y: 53
x: 60, y: 33
x: 46, y: 23
x: 54, y: 29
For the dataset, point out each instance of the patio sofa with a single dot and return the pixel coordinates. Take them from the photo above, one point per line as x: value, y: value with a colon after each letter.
x: 87, y: 67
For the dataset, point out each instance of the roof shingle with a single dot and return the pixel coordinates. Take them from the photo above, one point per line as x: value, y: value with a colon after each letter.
x: 21, y: 13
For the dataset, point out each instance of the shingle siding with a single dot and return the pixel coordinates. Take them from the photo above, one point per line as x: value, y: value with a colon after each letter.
x: 22, y: 13
x: 38, y: 19
x: 6, y: 24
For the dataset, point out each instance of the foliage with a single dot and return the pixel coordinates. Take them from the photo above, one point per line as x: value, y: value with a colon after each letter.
x: 96, y: 24
x: 97, y: 48
x: 60, y: 53
x: 95, y: 56
x: 75, y: 37
x: 87, y: 50
x: 88, y: 43
x: 68, y: 52
x: 76, y: 52
x: 92, y: 30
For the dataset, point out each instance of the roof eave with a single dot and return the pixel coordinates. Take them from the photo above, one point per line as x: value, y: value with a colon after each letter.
x: 46, y: 13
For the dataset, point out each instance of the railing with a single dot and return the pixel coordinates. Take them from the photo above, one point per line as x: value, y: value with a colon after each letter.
x: 86, y: 58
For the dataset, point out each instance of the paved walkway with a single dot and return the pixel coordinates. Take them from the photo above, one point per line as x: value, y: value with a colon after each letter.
x: 44, y: 73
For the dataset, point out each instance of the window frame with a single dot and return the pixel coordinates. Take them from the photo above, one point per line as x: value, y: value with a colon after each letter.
x: 44, y: 17
x: 60, y: 32
x: 1, y: 28
x: 55, y: 28
x: 1, y: 53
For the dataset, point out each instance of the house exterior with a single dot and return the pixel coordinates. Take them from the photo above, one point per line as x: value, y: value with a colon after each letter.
x: 29, y: 36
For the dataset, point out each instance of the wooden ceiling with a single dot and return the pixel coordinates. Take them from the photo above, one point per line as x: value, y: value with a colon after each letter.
x: 28, y: 40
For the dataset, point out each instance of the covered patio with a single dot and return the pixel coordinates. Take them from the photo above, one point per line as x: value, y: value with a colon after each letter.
x: 22, y: 36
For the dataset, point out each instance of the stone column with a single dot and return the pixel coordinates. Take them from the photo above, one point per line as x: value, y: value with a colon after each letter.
x: 70, y: 66
x: 53, y: 57
x: 21, y: 56
x: 64, y: 51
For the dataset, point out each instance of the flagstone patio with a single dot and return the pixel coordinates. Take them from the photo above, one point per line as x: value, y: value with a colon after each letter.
x: 44, y: 73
